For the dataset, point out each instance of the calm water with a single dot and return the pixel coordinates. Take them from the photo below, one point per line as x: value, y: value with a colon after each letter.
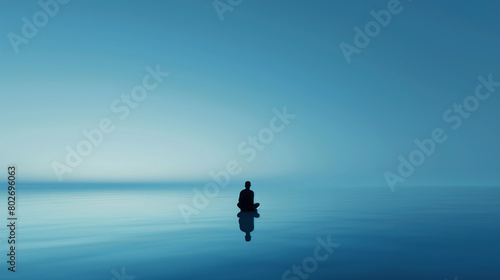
x: 116, y: 232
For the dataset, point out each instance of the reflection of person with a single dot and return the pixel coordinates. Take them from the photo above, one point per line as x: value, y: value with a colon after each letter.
x: 246, y: 223
x: 245, y: 203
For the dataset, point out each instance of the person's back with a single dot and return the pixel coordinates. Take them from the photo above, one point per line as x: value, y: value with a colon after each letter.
x: 245, y: 202
x: 246, y: 197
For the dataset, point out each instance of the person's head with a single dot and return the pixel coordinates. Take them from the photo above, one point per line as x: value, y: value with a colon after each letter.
x: 247, y: 185
x: 248, y: 237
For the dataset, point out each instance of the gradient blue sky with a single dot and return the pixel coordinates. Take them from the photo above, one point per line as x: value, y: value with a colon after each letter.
x: 353, y: 119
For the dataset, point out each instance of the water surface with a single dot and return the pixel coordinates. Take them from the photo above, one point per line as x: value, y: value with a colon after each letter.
x: 109, y: 231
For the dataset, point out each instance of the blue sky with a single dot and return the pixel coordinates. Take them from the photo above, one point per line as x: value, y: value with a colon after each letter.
x: 352, y: 121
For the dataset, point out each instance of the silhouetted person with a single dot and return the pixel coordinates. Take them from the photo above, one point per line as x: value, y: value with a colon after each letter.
x: 245, y: 202
x: 246, y: 223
